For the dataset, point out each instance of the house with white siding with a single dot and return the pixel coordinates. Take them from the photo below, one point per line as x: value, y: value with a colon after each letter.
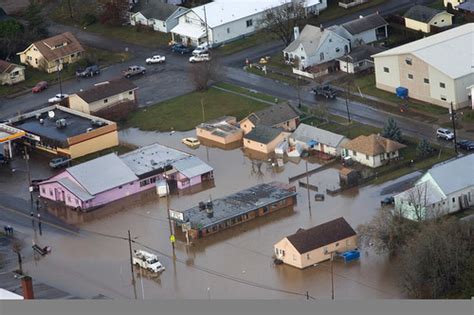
x: 427, y: 71
x: 157, y: 14
x: 445, y: 188
x: 309, y: 137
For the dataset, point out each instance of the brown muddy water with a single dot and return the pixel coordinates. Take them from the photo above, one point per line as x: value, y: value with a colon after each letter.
x: 234, y: 264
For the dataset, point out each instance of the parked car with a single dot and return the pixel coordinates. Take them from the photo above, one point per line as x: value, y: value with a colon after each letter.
x: 147, y: 261
x: 134, y: 70
x: 181, y: 49
x: 387, y: 201
x: 40, y: 86
x: 191, y: 142
x: 324, y: 90
x: 199, y: 58
x: 57, y: 98
x: 201, y: 49
x: 88, y: 71
x: 155, y: 59
x: 59, y: 162
x: 467, y: 145
x: 445, y: 134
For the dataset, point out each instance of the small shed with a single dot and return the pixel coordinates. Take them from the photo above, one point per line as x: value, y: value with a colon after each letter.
x: 348, y: 176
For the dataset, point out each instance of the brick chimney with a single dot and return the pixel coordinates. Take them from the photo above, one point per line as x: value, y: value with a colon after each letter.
x: 27, y: 286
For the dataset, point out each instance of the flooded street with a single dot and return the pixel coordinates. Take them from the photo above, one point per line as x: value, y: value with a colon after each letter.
x: 233, y: 264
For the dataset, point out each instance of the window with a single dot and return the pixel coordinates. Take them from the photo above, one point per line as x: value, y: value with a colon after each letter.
x: 338, y: 50
x: 366, y: 156
x: 410, y: 76
x: 248, y: 141
x: 443, y: 98
x: 382, y: 157
x: 228, y: 30
x: 105, y: 101
x: 386, y: 69
x: 249, y: 22
x: 426, y: 81
x: 130, y: 92
x: 354, y: 153
x: 442, y: 21
x: 69, y: 198
x: 50, y: 192
x: 120, y: 187
x: 321, y: 56
x: 442, y: 85
x: 337, y: 244
x: 72, y: 55
x: 454, y: 199
x: 43, y: 190
x: 408, y: 62
x: 307, y: 256
x: 361, y: 64
x: 330, y: 40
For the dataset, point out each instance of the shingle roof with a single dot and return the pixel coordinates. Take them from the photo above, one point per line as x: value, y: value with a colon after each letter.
x: 421, y: 13
x: 373, y: 145
x: 72, y: 46
x: 7, y: 67
x: 432, y: 50
x: 307, y: 133
x: 274, y: 115
x: 454, y: 175
x: 321, y: 235
x: 4, y: 15
x: 466, y: 6
x: 156, y: 9
x: 363, y: 52
x: 311, y: 37
x: 365, y: 23
x: 101, y: 174
x: 263, y: 134
x: 106, y: 89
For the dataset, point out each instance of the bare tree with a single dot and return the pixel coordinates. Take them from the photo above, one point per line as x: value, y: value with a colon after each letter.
x: 418, y: 204
x: 202, y: 73
x: 282, y: 20
x: 17, y: 246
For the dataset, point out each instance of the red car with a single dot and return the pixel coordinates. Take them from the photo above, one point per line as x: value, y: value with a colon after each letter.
x: 40, y: 86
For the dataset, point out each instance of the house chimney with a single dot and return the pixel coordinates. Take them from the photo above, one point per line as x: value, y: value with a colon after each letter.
x: 321, y: 27
x: 27, y: 286
x: 296, y: 32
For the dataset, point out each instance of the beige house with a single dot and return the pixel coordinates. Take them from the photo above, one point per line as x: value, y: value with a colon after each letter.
x: 373, y: 150
x: 312, y: 246
x: 427, y: 71
x: 11, y: 73
x: 278, y: 116
x: 221, y: 131
x: 103, y: 96
x: 52, y: 53
x: 421, y: 18
x: 264, y: 139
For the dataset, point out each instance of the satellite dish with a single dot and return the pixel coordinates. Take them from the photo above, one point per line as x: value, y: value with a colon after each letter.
x: 51, y: 114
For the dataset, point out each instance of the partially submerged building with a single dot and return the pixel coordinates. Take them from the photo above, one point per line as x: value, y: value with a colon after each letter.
x: 278, y: 116
x: 221, y: 131
x: 108, y: 178
x: 264, y: 139
x: 312, y: 246
x: 63, y: 131
x: 219, y: 214
x: 313, y: 138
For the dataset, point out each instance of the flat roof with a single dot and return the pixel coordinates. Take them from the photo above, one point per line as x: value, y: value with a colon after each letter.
x: 8, y: 133
x: 238, y: 204
x: 39, y: 123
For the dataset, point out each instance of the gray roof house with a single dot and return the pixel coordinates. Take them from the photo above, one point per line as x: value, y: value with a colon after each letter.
x: 366, y: 29
x: 445, y: 188
x: 318, y: 139
x: 421, y: 18
x: 158, y: 14
x: 359, y: 59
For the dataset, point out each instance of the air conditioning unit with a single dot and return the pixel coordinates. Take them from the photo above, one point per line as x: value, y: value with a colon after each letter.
x: 61, y: 123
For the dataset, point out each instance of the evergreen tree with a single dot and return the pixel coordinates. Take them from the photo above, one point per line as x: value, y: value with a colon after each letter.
x: 424, y: 148
x: 392, y: 131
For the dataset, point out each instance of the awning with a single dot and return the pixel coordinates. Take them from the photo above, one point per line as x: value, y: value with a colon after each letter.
x: 8, y: 133
x: 189, y: 30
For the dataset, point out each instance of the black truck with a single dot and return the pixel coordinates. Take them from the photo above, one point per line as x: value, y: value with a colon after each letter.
x: 324, y: 90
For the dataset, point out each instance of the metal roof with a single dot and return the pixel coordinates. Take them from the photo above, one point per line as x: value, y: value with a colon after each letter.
x: 432, y: 50
x: 306, y: 133
x: 102, y: 174
x: 454, y: 175
x: 365, y: 23
x: 75, y: 189
x: 192, y: 166
x: 155, y: 9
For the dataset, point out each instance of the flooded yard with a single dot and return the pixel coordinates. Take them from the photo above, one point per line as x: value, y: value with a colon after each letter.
x: 233, y: 264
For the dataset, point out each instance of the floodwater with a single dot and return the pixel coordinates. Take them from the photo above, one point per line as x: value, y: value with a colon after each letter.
x: 233, y: 264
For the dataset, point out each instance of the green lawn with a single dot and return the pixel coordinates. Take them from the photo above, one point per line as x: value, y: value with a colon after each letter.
x: 249, y: 92
x: 246, y: 42
x: 334, y: 11
x: 278, y: 77
x: 186, y: 112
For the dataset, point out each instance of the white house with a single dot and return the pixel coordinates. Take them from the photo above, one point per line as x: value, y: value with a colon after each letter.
x: 435, y: 69
x: 373, y: 150
x: 324, y: 141
x: 159, y: 15
x: 366, y: 29
x: 445, y: 188
x: 359, y: 59
x: 314, y: 6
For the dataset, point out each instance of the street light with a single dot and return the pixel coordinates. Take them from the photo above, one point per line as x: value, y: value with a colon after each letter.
x: 58, y: 63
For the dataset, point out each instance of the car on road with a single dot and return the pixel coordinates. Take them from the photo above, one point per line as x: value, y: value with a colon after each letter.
x: 133, y: 71
x: 191, y: 142
x: 467, y: 145
x: 147, y: 261
x: 387, y: 201
x: 40, y: 86
x: 155, y: 59
x: 181, y: 49
x: 59, y: 162
x: 324, y: 90
x: 201, y: 49
x: 199, y: 58
x: 445, y: 133
x: 57, y: 98
x: 89, y: 71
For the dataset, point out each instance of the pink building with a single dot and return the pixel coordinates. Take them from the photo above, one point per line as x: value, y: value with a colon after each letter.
x: 110, y: 177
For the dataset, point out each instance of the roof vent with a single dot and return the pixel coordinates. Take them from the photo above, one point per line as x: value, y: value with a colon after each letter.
x: 61, y: 123
x: 41, y: 121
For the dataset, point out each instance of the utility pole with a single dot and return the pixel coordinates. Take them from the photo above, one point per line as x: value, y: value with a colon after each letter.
x: 202, y: 108
x: 172, y: 237
x: 299, y: 90
x: 332, y: 278
x: 307, y: 187
x: 347, y: 92
x: 207, y: 29
x: 27, y: 159
x: 131, y: 265
x: 59, y: 78
x: 453, y: 118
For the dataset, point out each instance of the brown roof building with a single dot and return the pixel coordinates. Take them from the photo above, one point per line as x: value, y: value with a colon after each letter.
x: 308, y: 247
x: 373, y: 150
x: 278, y: 116
x: 51, y: 53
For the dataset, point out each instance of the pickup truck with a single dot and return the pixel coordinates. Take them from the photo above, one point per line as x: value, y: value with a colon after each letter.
x: 387, y: 201
x: 133, y: 71
x: 155, y: 59
x: 59, y: 162
x: 181, y: 49
x: 147, y: 261
x: 88, y: 71
x: 324, y: 90
x: 199, y: 58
